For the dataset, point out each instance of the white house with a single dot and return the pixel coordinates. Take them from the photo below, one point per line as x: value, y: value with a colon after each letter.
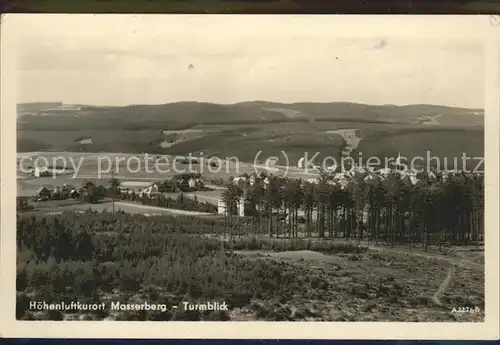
x: 300, y: 163
x: 331, y: 168
x: 151, y: 191
x: 237, y: 179
x: 303, y: 164
x: 384, y: 171
x: 344, y: 183
x: 192, y: 183
x: 222, y: 208
x: 85, y: 141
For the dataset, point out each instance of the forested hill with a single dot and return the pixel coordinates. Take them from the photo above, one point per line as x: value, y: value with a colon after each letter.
x: 55, y: 116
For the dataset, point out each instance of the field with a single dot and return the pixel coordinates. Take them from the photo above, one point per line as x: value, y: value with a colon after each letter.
x: 242, y: 130
x: 58, y: 207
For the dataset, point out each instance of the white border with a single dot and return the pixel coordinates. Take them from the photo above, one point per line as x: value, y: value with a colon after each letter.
x: 350, y: 26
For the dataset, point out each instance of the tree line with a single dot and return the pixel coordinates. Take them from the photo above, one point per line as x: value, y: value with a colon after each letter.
x: 439, y: 209
x: 91, y: 193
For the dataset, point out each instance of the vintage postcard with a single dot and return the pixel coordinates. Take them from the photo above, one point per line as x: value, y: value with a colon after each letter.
x: 198, y: 176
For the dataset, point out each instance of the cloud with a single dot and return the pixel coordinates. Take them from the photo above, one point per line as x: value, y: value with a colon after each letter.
x: 41, y: 57
x: 228, y: 69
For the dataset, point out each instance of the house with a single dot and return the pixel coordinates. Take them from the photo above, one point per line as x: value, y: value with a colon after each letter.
x: 413, y: 179
x: 73, y: 194
x: 300, y: 163
x: 222, y: 208
x: 239, y: 179
x: 332, y: 168
x: 199, y: 183
x: 344, y: 183
x: 369, y: 177
x: 125, y: 190
x: 88, y: 185
x: 192, y: 183
x: 303, y: 164
x: 195, y: 182
x: 85, y: 141
x: 266, y: 181
x: 66, y: 190
x: 43, y: 193
x: 151, y: 192
x: 384, y: 171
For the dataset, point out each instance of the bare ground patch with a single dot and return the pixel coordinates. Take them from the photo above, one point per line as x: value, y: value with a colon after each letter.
x: 373, y: 286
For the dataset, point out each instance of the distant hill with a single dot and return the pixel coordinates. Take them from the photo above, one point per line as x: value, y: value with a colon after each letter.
x: 183, y: 115
x: 36, y: 107
x: 242, y: 129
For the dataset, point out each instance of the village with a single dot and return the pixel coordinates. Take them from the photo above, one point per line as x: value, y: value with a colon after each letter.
x: 216, y: 193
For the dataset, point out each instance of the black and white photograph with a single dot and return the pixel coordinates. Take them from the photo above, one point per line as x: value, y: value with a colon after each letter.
x: 298, y: 170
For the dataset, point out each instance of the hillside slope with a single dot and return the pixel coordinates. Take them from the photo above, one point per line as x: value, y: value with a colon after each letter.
x: 183, y: 115
x: 244, y: 129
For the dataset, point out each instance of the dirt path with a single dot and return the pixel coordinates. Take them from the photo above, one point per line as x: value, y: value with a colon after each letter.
x: 171, y: 210
x: 214, y: 187
x: 434, y: 256
x: 382, y: 287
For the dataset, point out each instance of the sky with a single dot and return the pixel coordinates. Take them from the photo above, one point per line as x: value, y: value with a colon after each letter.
x: 153, y: 63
